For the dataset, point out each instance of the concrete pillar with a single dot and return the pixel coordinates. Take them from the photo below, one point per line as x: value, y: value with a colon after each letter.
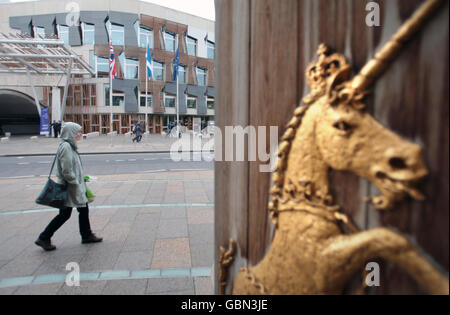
x: 56, y: 103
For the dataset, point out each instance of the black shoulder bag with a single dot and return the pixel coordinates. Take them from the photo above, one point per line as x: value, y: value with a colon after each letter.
x: 53, y: 194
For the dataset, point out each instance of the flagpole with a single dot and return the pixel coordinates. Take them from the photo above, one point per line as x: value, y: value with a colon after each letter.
x: 110, y: 103
x: 176, y: 99
x: 111, y: 87
x: 146, y: 92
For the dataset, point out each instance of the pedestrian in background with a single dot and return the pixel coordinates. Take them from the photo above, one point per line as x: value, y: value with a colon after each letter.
x: 58, y: 128
x: 69, y: 171
x: 138, y: 132
x: 54, y: 127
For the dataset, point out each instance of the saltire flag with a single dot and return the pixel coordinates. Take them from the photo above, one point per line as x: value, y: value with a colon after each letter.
x: 176, y: 64
x: 112, y: 61
x: 148, y: 61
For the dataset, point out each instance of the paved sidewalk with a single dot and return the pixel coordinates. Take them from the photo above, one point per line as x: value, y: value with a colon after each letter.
x: 158, y: 231
x: 24, y: 145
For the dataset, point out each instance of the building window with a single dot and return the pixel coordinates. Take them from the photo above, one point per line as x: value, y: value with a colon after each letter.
x: 210, y: 48
x: 182, y: 74
x: 169, y: 101
x: 106, y: 94
x: 39, y: 32
x: 191, y: 102
x: 210, y: 103
x: 88, y: 34
x: 169, y: 41
x: 117, y: 34
x: 86, y: 88
x: 145, y: 37
x: 131, y: 68
x: 149, y: 100
x: 102, y: 67
x: 158, y: 71
x: 118, y: 99
x: 191, y: 46
x: 63, y: 33
x: 201, y: 76
x: 93, y: 95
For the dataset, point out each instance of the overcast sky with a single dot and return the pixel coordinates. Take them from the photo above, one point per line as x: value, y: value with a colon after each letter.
x: 203, y: 8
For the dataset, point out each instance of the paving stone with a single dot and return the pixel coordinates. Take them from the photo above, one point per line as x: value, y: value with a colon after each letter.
x: 134, y: 260
x: 162, y: 285
x: 95, y: 261
x: 146, y: 239
x: 139, y: 242
x: 202, y: 254
x: 201, y: 233
x: 41, y: 289
x: 85, y: 288
x: 22, y: 265
x: 200, y: 215
x: 172, y: 228
x: 173, y: 212
x: 171, y: 253
x: 57, y: 264
x: 203, y: 286
x: 8, y: 290
x: 125, y: 287
x: 177, y: 292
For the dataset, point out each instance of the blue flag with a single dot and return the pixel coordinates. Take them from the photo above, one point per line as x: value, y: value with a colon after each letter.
x: 149, y: 62
x: 45, y: 126
x: 176, y: 64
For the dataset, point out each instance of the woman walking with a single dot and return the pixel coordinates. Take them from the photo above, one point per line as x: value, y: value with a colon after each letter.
x: 70, y: 170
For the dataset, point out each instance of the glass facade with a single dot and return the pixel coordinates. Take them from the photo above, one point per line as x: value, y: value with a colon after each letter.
x: 39, y: 32
x: 63, y: 33
x: 102, y: 67
x: 191, y: 102
x: 117, y: 35
x: 169, y: 101
x: 191, y: 46
x: 210, y: 103
x: 182, y: 74
x: 88, y: 34
x: 145, y: 37
x: 169, y: 41
x: 132, y: 69
x: 158, y: 71
x: 210, y: 49
x: 118, y: 100
x: 130, y: 63
x: 201, y: 76
x: 149, y: 100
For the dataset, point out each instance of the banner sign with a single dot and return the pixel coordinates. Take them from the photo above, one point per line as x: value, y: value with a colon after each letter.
x: 45, y: 124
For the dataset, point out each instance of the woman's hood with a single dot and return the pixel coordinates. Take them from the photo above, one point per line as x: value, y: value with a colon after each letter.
x: 69, y: 133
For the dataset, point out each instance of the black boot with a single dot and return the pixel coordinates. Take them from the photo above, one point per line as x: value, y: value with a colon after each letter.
x: 91, y: 239
x: 46, y: 245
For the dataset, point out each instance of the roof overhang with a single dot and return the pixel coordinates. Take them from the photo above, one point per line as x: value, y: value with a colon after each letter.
x: 49, y: 56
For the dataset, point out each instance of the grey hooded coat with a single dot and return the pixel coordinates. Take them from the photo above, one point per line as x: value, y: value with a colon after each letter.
x: 69, y: 168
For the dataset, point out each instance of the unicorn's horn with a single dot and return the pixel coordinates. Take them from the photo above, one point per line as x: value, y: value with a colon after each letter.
x: 375, y: 67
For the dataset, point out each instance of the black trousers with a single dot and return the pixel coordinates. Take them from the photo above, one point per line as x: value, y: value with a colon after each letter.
x: 62, y: 217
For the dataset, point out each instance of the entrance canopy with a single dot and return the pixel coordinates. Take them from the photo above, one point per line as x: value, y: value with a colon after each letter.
x: 20, y: 54
x: 42, y: 57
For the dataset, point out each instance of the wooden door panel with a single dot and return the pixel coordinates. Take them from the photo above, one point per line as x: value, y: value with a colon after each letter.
x: 263, y: 49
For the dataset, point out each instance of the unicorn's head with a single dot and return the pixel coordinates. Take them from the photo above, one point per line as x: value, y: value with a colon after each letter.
x: 348, y: 138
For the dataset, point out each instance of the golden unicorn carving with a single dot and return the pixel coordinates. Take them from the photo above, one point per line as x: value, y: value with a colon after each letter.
x: 309, y: 253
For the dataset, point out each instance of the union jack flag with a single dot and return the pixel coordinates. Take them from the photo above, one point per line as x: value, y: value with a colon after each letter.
x: 112, y: 61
